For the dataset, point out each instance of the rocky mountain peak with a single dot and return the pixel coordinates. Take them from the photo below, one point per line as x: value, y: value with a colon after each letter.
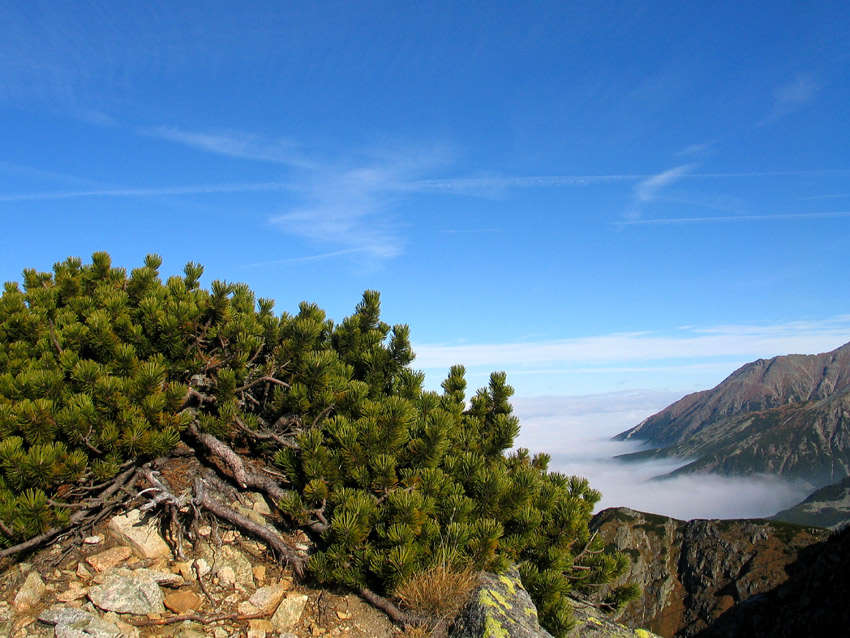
x: 760, y: 385
x: 789, y: 415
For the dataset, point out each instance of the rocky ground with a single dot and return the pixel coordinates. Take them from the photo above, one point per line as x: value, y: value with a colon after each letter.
x: 124, y: 582
x: 134, y: 576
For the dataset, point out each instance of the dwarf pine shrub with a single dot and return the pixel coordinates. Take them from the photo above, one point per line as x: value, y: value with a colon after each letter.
x: 101, y: 369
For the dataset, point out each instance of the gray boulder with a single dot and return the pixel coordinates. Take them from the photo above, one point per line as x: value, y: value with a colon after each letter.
x: 71, y: 622
x: 502, y: 608
x: 136, y: 594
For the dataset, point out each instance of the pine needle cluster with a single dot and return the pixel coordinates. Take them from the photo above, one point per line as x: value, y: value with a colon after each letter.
x: 101, y: 369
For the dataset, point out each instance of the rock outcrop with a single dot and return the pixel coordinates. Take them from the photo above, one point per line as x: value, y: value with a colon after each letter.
x: 692, y: 572
x: 811, y: 603
x: 788, y: 416
x: 700, y: 578
x: 500, y: 607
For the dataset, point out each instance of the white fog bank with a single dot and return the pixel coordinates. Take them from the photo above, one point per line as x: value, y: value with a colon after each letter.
x: 576, y: 432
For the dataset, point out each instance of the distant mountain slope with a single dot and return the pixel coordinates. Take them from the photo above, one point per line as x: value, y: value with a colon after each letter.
x: 789, y: 416
x: 827, y: 507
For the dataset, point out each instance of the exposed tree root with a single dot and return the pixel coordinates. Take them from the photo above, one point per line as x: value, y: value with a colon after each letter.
x: 244, y: 473
x: 204, y: 499
x: 160, y: 494
x: 242, y: 470
x: 249, y: 477
x: 197, y: 569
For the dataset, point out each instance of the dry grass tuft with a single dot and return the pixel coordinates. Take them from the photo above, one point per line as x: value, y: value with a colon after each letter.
x: 416, y: 631
x: 439, y: 592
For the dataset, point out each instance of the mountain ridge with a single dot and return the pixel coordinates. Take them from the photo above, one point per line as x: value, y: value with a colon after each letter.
x: 827, y: 507
x: 787, y: 416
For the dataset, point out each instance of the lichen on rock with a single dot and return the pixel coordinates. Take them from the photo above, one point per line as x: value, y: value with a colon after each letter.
x: 500, y: 608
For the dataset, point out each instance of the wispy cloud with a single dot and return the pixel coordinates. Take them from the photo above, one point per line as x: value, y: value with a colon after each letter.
x: 467, y: 231
x: 93, y: 117
x: 350, y: 209
x: 797, y: 92
x: 648, y: 189
x: 235, y: 144
x: 344, y: 204
x: 791, y: 97
x: 477, y: 185
x: 472, y: 186
x: 298, y: 260
x: 649, y: 183
x: 737, y: 218
x: 698, y: 150
x: 41, y: 175
x: 198, y: 189
x: 827, y: 196
x: 685, y: 347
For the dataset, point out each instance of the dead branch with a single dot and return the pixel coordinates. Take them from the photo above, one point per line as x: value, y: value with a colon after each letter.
x: 221, y: 451
x: 256, y: 353
x: 386, y: 606
x: 6, y: 530
x: 77, y: 518
x: 88, y: 444
x: 191, y: 393
x: 163, y: 496
x: 265, y: 435
x: 320, y: 514
x: 286, y: 422
x: 264, y: 379
x: 245, y: 474
x: 33, y: 542
x: 586, y: 551
x: 266, y: 533
x: 53, y: 338
x: 161, y: 493
x: 321, y: 414
x: 176, y: 533
x: 197, y: 568
x: 119, y: 482
x: 53, y: 503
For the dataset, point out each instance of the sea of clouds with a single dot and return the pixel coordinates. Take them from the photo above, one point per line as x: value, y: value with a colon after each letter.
x: 576, y: 431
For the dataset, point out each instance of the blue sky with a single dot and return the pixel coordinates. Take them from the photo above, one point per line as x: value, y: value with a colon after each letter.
x: 595, y: 197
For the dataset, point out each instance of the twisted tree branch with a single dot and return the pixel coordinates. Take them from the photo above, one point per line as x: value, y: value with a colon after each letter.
x: 243, y: 471
x: 122, y: 481
x: 266, y: 533
x: 265, y: 379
